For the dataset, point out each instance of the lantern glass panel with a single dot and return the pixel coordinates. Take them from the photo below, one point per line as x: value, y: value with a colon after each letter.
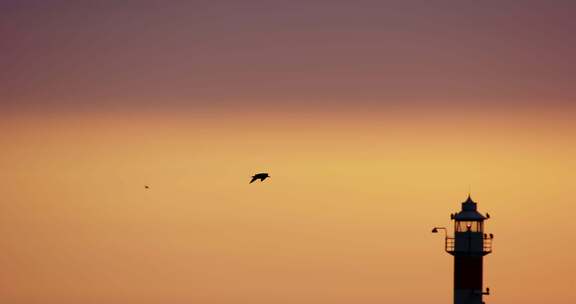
x: 469, y: 226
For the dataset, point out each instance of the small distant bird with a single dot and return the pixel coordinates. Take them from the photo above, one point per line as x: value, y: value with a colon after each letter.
x: 146, y: 187
x: 260, y: 176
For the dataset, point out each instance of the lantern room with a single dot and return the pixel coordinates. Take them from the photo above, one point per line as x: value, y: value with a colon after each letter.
x: 469, y: 219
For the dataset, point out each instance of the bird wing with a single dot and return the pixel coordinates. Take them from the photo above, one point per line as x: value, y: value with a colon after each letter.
x: 254, y: 178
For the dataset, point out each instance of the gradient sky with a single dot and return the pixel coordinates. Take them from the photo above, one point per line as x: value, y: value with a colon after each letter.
x: 374, y: 119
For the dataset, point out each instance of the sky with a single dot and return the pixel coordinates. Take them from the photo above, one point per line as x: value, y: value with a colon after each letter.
x: 375, y: 120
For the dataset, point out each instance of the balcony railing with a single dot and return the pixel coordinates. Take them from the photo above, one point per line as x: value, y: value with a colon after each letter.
x: 450, y: 245
x: 487, y: 245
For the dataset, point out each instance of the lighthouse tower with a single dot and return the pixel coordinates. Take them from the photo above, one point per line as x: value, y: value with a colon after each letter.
x: 468, y: 246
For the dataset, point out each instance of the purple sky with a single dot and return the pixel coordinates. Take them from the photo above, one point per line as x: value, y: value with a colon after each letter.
x: 173, y: 55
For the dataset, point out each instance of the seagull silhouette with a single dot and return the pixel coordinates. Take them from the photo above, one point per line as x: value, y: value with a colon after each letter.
x: 260, y: 176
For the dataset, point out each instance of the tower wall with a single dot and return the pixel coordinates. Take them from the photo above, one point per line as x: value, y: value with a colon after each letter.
x: 469, y: 243
x: 468, y: 272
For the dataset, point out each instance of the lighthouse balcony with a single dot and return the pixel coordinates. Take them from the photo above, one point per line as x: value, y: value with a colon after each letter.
x: 485, y: 246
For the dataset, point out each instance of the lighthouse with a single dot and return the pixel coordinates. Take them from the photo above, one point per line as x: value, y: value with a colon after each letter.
x: 469, y: 245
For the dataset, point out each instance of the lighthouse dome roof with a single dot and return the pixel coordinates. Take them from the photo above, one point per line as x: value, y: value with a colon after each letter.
x: 469, y: 212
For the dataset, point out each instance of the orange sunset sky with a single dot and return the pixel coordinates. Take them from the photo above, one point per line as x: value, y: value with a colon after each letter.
x: 374, y: 119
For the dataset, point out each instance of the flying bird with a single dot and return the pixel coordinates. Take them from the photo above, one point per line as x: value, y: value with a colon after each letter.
x: 260, y: 176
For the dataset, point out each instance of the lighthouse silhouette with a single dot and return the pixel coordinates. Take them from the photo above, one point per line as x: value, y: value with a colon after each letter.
x: 469, y: 245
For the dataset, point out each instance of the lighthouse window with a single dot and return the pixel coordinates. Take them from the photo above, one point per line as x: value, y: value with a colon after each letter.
x: 465, y: 226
